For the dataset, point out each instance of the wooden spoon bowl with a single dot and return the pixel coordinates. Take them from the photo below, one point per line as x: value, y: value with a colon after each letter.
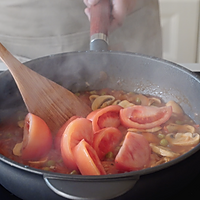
x: 43, y: 97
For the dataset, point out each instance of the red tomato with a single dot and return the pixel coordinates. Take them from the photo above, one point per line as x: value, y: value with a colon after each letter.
x: 144, y: 117
x: 134, y: 153
x: 60, y: 132
x: 105, y: 117
x: 87, y: 159
x: 77, y: 130
x: 37, y: 139
x: 92, y: 114
x: 106, y: 140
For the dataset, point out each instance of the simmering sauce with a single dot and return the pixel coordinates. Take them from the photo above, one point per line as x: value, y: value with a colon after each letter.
x: 125, y: 132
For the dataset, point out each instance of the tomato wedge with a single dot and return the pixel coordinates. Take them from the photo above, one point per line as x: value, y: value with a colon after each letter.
x: 60, y: 132
x: 105, y: 117
x: 87, y: 159
x: 37, y: 138
x: 106, y: 140
x: 92, y: 114
x: 144, y: 117
x: 134, y: 153
x: 78, y: 129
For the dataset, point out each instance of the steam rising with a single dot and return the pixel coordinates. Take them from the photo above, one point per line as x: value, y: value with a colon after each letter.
x: 96, y: 70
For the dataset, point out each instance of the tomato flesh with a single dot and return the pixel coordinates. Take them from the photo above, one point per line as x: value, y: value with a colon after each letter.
x: 92, y: 114
x: 87, y: 159
x: 106, y: 140
x: 77, y: 130
x: 109, y: 119
x: 57, y: 140
x: 106, y: 117
x: 134, y: 153
x: 144, y: 117
x: 37, y: 138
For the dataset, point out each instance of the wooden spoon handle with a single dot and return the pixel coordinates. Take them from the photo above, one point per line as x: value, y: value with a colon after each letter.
x: 11, y: 62
x: 14, y: 65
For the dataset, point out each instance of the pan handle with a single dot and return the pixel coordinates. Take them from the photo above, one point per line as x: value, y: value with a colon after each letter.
x: 99, y: 25
x: 90, y: 189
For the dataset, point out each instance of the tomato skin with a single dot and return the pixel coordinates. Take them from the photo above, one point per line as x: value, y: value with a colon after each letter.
x: 92, y: 114
x: 134, y: 153
x: 87, y: 159
x: 37, y: 138
x: 105, y: 117
x: 78, y: 129
x: 106, y: 140
x: 144, y: 117
x: 60, y: 132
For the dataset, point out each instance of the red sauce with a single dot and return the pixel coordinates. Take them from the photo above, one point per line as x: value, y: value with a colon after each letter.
x: 11, y: 134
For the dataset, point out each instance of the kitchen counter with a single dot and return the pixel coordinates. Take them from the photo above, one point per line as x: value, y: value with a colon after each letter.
x: 195, y: 67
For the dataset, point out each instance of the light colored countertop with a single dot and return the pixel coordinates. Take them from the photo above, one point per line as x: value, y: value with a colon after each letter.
x: 195, y: 67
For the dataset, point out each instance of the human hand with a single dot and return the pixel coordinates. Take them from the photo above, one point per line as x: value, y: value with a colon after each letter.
x: 120, y: 9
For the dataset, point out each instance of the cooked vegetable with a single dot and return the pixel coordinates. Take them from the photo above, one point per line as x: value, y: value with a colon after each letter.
x: 106, y: 140
x: 125, y: 104
x: 156, y: 101
x: 150, y: 137
x: 144, y: 117
x: 175, y: 128
x: 17, y: 149
x: 125, y: 132
x: 161, y: 136
x: 151, y: 130
x: 37, y: 139
x: 77, y: 130
x: 134, y: 153
x: 176, y: 108
x: 105, y: 117
x: 87, y: 159
x: 183, y: 139
x: 60, y: 132
x: 102, y: 101
x: 109, y: 167
x: 163, y: 151
x: 164, y: 142
x: 139, y: 99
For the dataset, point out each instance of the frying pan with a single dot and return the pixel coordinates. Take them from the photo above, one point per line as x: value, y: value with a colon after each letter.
x: 79, y: 71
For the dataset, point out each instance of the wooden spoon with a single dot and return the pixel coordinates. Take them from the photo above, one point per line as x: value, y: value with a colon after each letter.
x: 43, y: 97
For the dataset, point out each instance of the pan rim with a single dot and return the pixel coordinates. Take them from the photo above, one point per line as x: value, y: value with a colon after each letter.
x: 113, y: 176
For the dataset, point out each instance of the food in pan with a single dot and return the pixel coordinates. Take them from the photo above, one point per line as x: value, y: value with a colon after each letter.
x: 124, y: 132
